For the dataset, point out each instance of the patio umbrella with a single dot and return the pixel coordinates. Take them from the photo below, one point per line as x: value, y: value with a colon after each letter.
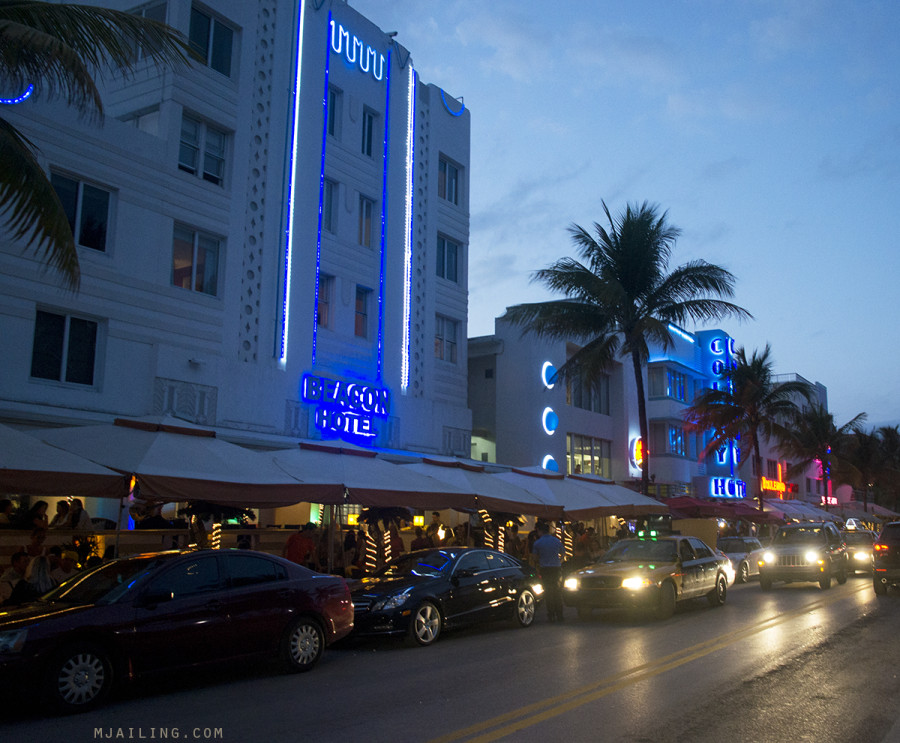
x: 176, y: 461
x: 28, y: 466
x: 558, y: 491
x: 628, y: 502
x: 491, y: 493
x: 366, y: 480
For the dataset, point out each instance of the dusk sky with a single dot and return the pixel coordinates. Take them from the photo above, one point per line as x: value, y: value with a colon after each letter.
x: 769, y: 130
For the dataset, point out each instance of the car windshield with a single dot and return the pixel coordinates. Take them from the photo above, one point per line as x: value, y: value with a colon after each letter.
x: 431, y: 563
x: 857, y: 537
x: 800, y: 535
x: 105, y: 584
x: 638, y: 550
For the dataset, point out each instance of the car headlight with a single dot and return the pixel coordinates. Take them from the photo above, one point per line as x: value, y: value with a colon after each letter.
x: 768, y: 558
x: 635, y: 584
x: 862, y: 556
x: 571, y: 583
x: 12, y: 642
x: 391, y: 602
x: 811, y: 556
x: 538, y: 588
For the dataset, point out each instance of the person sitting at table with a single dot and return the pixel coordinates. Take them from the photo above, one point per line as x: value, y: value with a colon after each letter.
x: 36, y: 583
x: 78, y: 518
x: 68, y: 566
x: 61, y: 516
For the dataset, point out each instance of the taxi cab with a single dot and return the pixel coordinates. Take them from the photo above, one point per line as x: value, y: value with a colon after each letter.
x: 650, y: 574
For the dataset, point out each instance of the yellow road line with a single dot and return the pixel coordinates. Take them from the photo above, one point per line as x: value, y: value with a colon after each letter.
x: 531, y: 714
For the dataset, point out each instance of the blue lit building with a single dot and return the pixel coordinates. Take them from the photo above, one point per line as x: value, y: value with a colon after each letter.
x: 522, y: 418
x: 273, y: 242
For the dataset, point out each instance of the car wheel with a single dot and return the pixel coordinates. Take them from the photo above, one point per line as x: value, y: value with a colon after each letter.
x: 842, y: 577
x: 765, y: 583
x: 716, y: 597
x: 585, y: 612
x: 525, y: 608
x: 743, y: 573
x: 426, y: 623
x: 880, y: 588
x: 825, y: 582
x: 303, y: 645
x: 79, y: 678
x: 665, y: 606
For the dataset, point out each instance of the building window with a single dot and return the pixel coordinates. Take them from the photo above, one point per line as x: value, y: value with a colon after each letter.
x: 366, y: 212
x: 675, y: 385
x: 329, y: 201
x: 155, y: 12
x: 195, y: 260
x: 588, y: 456
x: 590, y: 395
x: 335, y: 100
x: 368, y: 131
x: 772, y: 469
x: 210, y: 41
x: 447, y: 259
x: 323, y: 308
x: 445, y: 334
x: 362, y: 312
x: 64, y: 348
x: 86, y: 208
x: 448, y: 181
x: 676, y: 441
x: 202, y: 150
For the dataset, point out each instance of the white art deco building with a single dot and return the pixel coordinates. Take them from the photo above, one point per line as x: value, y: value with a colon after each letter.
x: 522, y: 417
x: 272, y: 242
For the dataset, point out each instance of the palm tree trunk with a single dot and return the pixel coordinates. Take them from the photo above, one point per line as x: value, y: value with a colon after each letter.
x: 757, y: 467
x: 642, y: 416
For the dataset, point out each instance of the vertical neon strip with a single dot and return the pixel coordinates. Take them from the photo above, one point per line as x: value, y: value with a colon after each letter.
x: 407, y: 252
x: 315, y: 319
x: 292, y: 179
x: 384, y: 202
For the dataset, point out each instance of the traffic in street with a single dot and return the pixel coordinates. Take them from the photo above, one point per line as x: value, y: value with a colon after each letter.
x: 793, y: 663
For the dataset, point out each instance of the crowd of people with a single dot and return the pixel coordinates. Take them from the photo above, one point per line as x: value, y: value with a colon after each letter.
x: 69, y: 515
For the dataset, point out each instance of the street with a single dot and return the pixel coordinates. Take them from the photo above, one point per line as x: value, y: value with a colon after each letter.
x: 794, y: 664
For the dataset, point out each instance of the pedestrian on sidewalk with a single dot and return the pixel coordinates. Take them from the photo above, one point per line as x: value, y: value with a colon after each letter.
x: 547, y: 550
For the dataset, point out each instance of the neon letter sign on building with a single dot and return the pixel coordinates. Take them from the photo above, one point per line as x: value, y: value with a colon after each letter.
x: 346, y: 409
x: 355, y: 52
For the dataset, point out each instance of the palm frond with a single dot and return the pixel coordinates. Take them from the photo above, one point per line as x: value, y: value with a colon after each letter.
x: 30, y: 208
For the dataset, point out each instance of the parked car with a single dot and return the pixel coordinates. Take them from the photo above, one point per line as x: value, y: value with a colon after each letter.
x: 808, y: 551
x: 156, y: 612
x: 423, y: 593
x: 886, y: 558
x: 744, y: 553
x: 859, y: 549
x: 650, y: 575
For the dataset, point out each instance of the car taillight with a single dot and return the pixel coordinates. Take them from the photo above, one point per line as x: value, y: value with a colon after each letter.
x: 879, y: 547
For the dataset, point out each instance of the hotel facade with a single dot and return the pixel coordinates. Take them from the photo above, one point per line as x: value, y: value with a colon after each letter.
x: 524, y: 417
x: 273, y: 242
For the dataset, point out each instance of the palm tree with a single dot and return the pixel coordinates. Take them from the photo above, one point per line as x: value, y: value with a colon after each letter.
x: 889, y: 436
x: 621, y: 299
x: 865, y: 462
x: 750, y: 407
x: 815, y: 438
x: 57, y: 49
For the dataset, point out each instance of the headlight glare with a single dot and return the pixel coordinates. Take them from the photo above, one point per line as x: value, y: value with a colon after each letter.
x: 769, y: 558
x: 637, y: 583
x: 861, y: 556
x: 571, y: 584
x: 811, y: 556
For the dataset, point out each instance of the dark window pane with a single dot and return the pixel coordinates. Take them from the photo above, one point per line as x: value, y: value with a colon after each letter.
x: 451, y: 260
x: 46, y: 355
x: 67, y: 191
x: 94, y: 217
x: 82, y: 348
x: 220, y: 60
x: 441, y: 256
x: 189, y: 579
x: 182, y: 258
x: 199, y: 35
x: 207, y: 265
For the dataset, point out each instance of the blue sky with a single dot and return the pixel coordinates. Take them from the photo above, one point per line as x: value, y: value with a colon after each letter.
x: 769, y: 130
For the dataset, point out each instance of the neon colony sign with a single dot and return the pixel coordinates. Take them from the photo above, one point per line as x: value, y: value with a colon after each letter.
x: 346, y: 409
x: 727, y: 487
x: 356, y: 52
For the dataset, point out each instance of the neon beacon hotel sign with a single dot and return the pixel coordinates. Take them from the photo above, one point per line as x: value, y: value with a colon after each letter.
x: 346, y: 409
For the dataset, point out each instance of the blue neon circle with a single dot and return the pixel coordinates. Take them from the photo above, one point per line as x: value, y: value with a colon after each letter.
x: 550, y: 421
x: 550, y: 463
x: 548, y: 372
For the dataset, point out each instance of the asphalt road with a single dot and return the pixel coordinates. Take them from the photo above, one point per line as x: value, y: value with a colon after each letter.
x: 794, y: 664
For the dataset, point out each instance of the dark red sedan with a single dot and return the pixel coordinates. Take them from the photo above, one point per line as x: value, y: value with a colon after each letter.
x: 139, y: 615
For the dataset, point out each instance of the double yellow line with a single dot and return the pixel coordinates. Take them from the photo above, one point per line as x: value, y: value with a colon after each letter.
x: 532, y: 714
